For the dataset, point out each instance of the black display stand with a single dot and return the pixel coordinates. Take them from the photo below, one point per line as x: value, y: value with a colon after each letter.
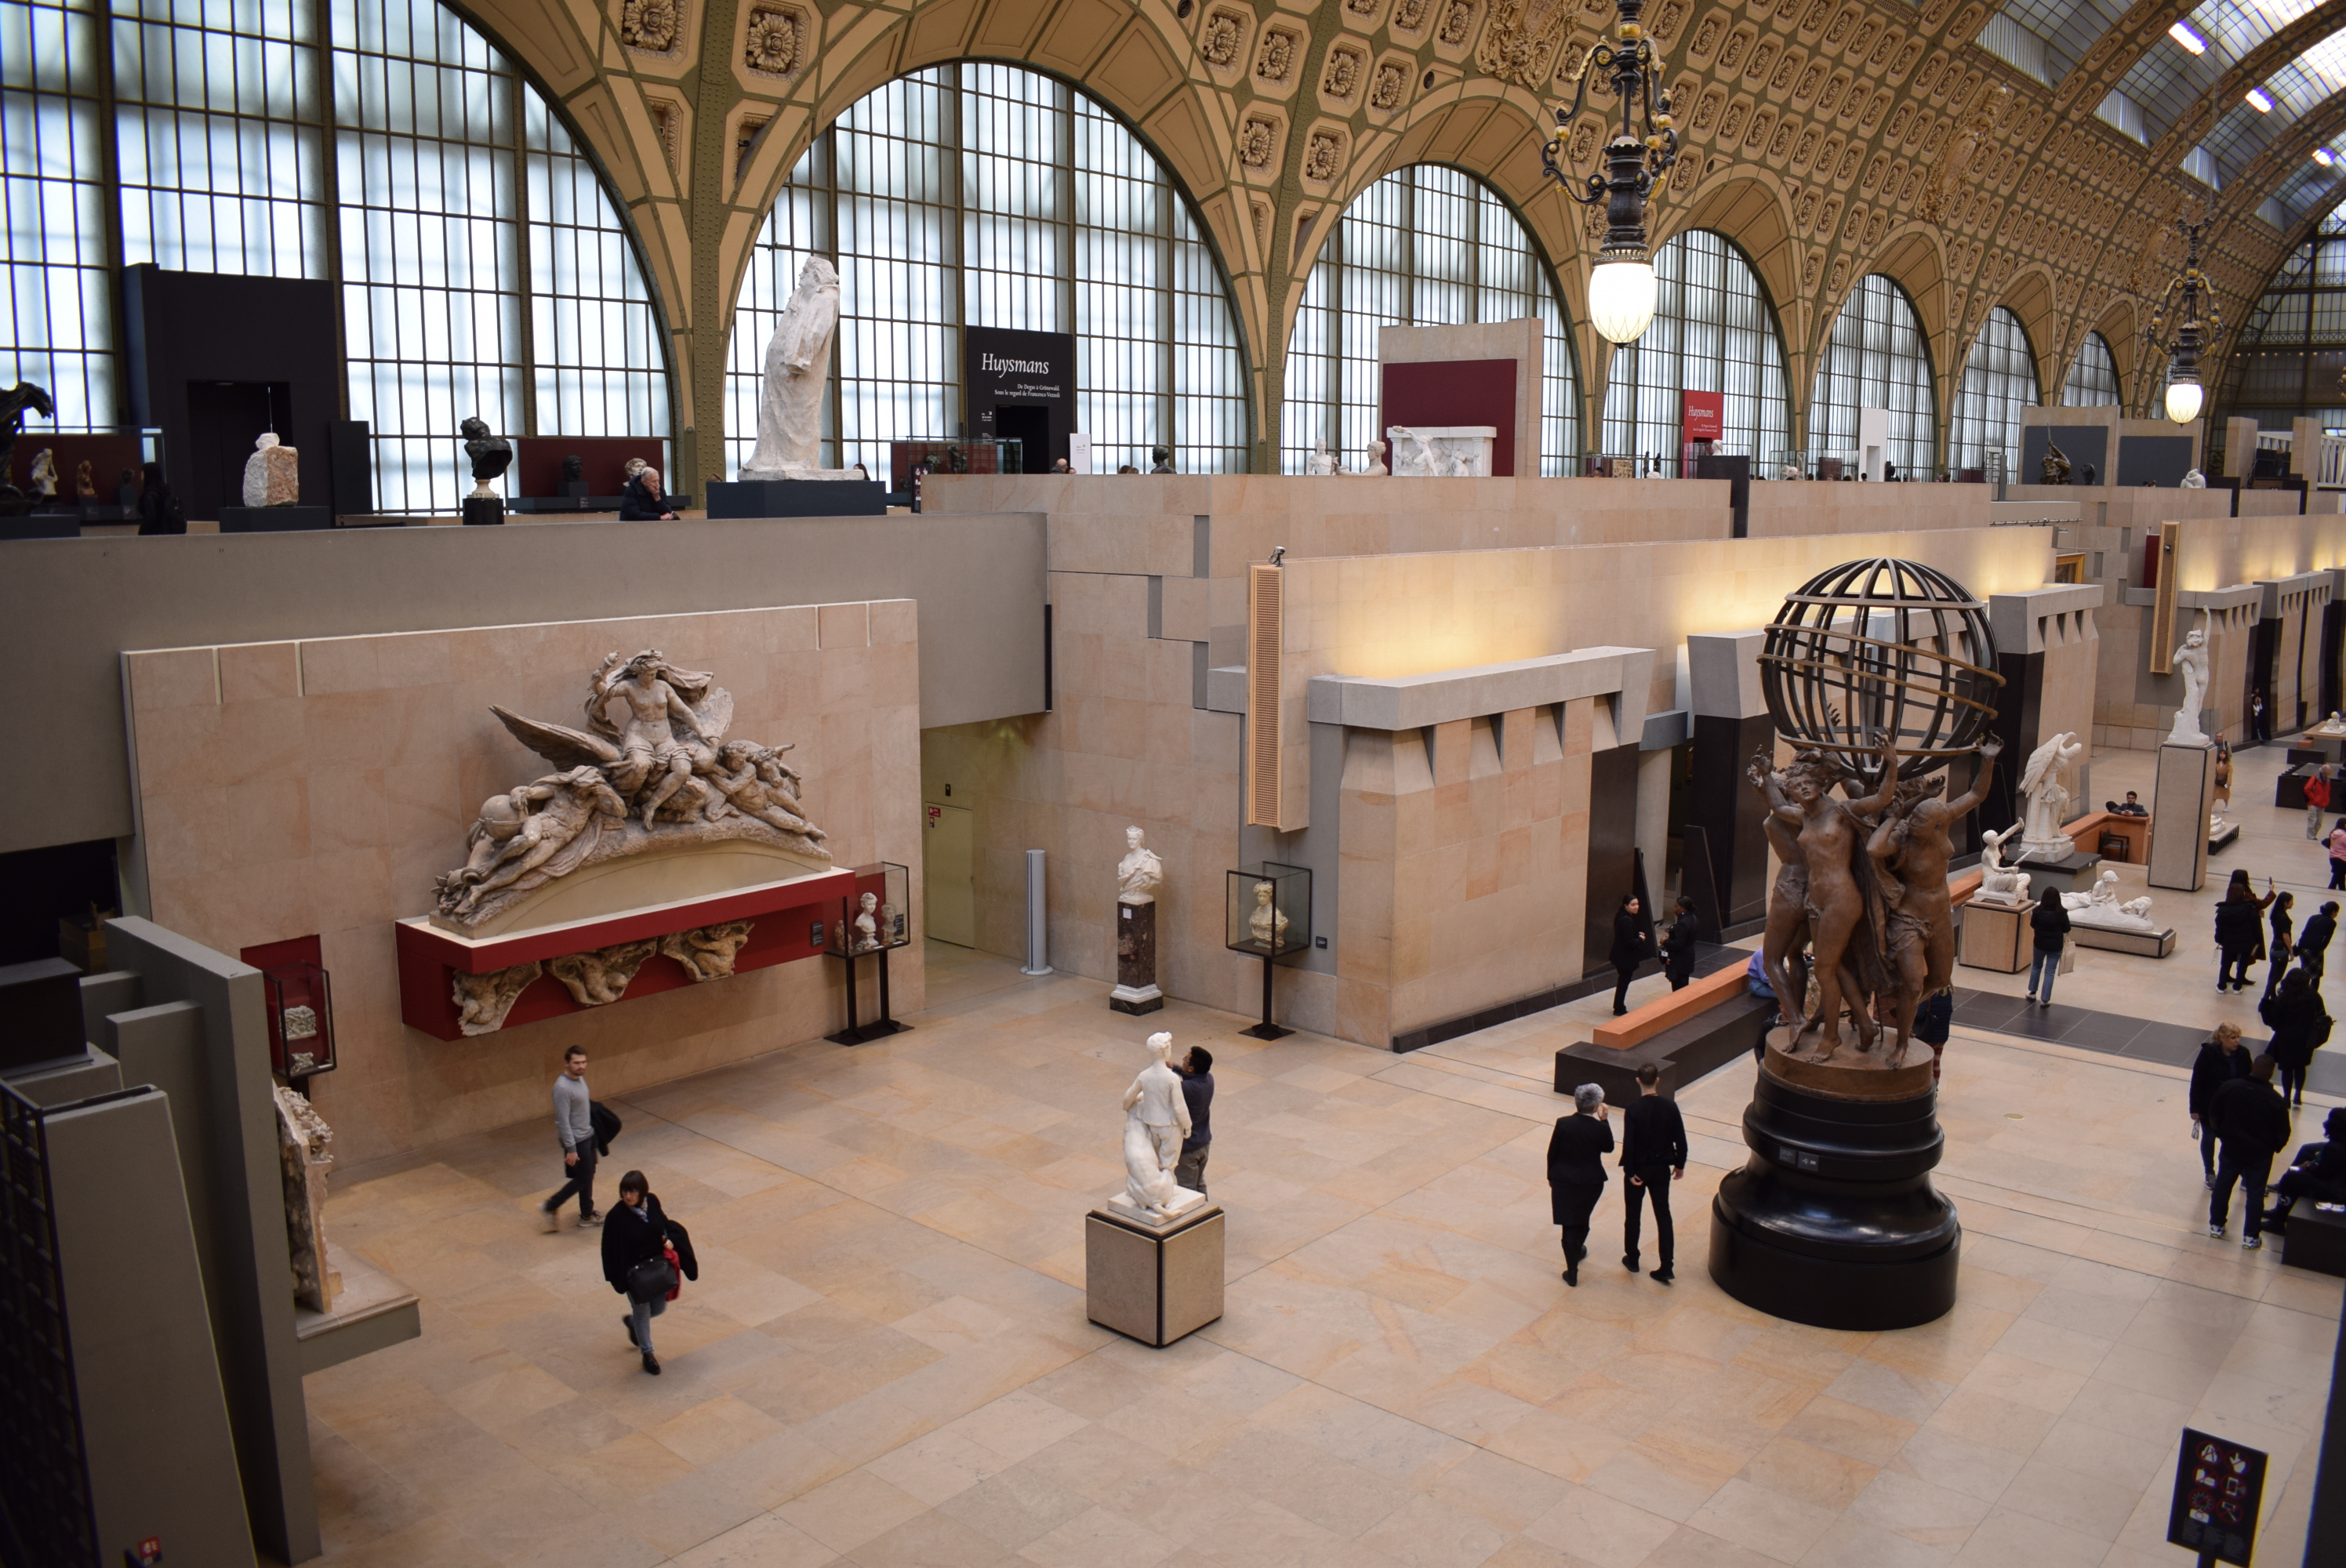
x: 798, y: 498
x: 880, y: 1028
x: 481, y: 511
x: 1267, y: 1030
x: 274, y: 519
x: 1834, y: 1222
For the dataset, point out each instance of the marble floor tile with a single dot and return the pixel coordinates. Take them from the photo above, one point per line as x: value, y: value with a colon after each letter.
x: 886, y: 1362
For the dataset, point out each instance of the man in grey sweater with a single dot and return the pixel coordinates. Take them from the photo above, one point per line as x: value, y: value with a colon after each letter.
x: 574, y: 1124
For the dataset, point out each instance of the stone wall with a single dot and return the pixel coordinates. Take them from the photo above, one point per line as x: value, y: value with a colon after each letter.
x: 317, y: 787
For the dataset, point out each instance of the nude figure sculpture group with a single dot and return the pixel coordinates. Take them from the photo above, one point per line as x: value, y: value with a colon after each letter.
x: 1859, y: 905
x: 652, y: 768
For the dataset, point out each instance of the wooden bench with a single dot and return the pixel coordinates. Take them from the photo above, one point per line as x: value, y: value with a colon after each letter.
x: 1640, y: 1023
x: 2085, y: 834
x: 1684, y: 1052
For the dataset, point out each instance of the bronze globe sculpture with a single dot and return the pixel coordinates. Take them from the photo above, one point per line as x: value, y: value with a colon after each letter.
x: 1879, y: 649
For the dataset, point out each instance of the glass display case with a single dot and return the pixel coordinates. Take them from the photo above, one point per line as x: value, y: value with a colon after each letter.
x: 300, y: 1002
x: 873, y: 920
x: 1269, y: 917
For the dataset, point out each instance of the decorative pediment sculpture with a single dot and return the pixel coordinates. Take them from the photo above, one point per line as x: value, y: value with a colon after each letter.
x: 651, y: 775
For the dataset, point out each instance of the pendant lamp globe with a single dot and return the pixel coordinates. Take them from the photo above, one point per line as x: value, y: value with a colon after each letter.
x: 2183, y: 401
x: 2184, y: 322
x: 1621, y: 299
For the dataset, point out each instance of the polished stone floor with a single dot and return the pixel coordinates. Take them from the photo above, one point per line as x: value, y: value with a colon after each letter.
x: 886, y: 1360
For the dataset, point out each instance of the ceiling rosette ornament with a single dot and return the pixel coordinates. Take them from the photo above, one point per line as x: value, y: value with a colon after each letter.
x: 651, y: 25
x: 775, y: 45
x: 1522, y: 38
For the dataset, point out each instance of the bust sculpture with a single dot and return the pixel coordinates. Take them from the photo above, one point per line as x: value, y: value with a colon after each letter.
x: 867, y: 924
x: 2042, y: 783
x: 1160, y: 459
x: 1999, y: 883
x: 1266, y: 924
x: 574, y: 468
x: 491, y: 454
x: 1141, y: 873
x: 1156, y: 1120
x: 1322, y: 461
x: 1373, y: 456
x: 2191, y: 664
x: 272, y: 474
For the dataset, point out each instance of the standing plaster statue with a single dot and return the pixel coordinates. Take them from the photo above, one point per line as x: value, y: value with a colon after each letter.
x: 1156, y: 1120
x: 2191, y: 662
x: 797, y: 368
x: 2048, y: 798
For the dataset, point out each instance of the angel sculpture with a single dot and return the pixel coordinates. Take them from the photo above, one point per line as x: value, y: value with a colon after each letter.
x: 757, y: 783
x: 529, y: 830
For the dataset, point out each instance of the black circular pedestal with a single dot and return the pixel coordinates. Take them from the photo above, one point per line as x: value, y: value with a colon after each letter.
x: 1834, y: 1222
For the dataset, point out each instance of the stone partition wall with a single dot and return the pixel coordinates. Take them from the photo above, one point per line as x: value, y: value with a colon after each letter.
x: 317, y: 787
x: 1792, y: 507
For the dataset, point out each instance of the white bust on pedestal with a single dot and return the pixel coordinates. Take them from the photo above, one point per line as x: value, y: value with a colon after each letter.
x: 1156, y: 1120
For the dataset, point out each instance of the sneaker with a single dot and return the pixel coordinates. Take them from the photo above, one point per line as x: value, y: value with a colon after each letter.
x: 627, y: 1321
x: 2252, y: 1243
x: 553, y: 1220
x: 2215, y: 1230
x: 652, y: 1363
x: 589, y: 1221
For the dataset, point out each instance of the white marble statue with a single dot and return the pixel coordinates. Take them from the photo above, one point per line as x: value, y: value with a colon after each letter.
x: 2101, y: 907
x: 797, y: 368
x: 1266, y: 924
x: 1156, y: 1120
x: 1999, y: 884
x: 2191, y: 662
x: 272, y: 474
x: 1443, y: 451
x: 1373, y: 460
x: 1322, y: 461
x: 41, y: 480
x: 2042, y: 782
x: 653, y: 769
x: 1141, y: 873
x: 2194, y: 480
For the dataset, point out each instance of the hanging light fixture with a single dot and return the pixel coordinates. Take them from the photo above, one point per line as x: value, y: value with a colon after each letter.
x: 2179, y: 330
x: 1638, y: 158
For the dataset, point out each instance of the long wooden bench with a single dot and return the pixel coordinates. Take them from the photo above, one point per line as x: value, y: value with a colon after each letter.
x: 1686, y: 1034
x: 1644, y: 1023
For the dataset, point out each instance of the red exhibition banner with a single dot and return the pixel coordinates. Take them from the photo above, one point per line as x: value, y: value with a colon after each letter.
x: 1703, y: 416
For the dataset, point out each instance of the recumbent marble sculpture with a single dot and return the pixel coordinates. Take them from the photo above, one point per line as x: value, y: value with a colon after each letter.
x: 2101, y: 907
x: 652, y: 769
x: 1156, y: 1120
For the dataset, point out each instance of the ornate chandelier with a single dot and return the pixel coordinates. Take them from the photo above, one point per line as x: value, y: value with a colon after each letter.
x: 2177, y: 330
x: 1638, y: 159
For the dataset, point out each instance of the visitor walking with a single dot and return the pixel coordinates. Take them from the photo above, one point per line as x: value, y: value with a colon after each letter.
x: 1196, y: 1072
x: 1678, y: 948
x: 1933, y: 1016
x: 2283, y: 926
x: 2313, y: 941
x: 644, y: 1254
x: 2239, y: 931
x: 2319, y: 1174
x: 574, y: 1124
x: 2050, y: 922
x: 2251, y: 1126
x: 2220, y: 1060
x: 2317, y: 798
x: 2338, y: 855
x: 2300, y: 1028
x: 1652, y: 1152
x: 1631, y: 947
x: 1575, y: 1172
x: 2223, y: 776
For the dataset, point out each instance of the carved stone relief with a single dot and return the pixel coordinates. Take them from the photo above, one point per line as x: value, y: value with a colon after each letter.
x: 1782, y: 141
x: 1731, y: 56
x: 1457, y: 21
x: 1342, y: 78
x: 1410, y: 15
x: 1706, y: 37
x: 303, y: 1161
x: 651, y: 25
x: 1392, y: 82
x: 1219, y: 39
x: 775, y: 45
x: 599, y: 978
x: 484, y: 1000
x: 1274, y: 61
x: 1258, y: 142
x: 1521, y: 37
x: 1323, y: 156
x: 708, y: 952
x: 1839, y: 276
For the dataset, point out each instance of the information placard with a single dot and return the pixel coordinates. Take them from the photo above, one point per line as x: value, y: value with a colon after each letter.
x: 2219, y: 1486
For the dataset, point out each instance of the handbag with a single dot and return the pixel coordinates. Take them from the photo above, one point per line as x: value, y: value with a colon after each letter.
x: 651, y: 1279
x: 2068, y: 959
x: 675, y: 1270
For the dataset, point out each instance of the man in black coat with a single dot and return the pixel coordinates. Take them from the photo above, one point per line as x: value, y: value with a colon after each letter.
x: 1678, y: 947
x: 2313, y: 941
x: 2252, y: 1123
x: 1653, y: 1151
x: 2220, y: 1060
x: 2320, y: 1174
x: 1575, y: 1173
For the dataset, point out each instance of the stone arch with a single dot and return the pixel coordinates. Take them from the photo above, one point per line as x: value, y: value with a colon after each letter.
x: 1751, y: 210
x: 2029, y: 296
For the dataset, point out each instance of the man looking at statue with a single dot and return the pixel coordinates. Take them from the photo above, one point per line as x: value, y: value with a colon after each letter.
x: 1196, y: 1072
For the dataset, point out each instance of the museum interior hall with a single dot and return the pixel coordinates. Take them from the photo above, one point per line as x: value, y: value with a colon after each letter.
x: 699, y: 671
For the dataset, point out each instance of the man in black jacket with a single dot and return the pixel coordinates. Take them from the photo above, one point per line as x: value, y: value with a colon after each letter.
x: 2252, y: 1123
x: 2320, y: 1174
x: 1678, y: 947
x: 2220, y: 1060
x: 1575, y: 1173
x: 2313, y: 941
x: 1653, y: 1151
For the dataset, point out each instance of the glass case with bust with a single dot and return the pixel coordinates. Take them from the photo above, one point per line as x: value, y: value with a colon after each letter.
x: 873, y: 920
x: 1269, y: 911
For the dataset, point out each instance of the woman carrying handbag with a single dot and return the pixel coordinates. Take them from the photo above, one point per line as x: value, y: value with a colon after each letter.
x: 646, y: 1255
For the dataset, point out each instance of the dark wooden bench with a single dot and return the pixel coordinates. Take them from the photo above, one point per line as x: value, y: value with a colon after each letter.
x: 1686, y: 1051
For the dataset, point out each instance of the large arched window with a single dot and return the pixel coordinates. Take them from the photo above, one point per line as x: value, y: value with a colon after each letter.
x: 2287, y: 361
x: 1713, y: 330
x: 484, y: 270
x: 1423, y: 246
x: 987, y: 195
x: 2093, y: 380
x: 1876, y: 359
x: 1999, y: 381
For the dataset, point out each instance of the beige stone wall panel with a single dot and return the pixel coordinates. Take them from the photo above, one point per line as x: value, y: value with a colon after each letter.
x: 1196, y: 148
x: 1136, y: 72
x: 1007, y: 28
x: 939, y: 32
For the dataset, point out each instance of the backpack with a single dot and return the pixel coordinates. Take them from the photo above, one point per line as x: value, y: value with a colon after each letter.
x: 2317, y: 791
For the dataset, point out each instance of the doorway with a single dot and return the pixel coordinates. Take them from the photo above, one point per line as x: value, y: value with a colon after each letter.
x: 948, y: 874
x: 1029, y: 425
x: 224, y: 418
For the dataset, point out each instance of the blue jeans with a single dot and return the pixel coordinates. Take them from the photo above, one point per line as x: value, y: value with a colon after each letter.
x: 2047, y: 964
x: 644, y: 1312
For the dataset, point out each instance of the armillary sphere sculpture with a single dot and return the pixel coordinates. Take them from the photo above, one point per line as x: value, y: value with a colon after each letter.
x: 1880, y: 673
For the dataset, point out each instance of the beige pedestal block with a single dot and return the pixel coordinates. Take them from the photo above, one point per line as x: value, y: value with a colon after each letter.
x: 1996, y: 937
x: 2181, y: 798
x: 1154, y: 1284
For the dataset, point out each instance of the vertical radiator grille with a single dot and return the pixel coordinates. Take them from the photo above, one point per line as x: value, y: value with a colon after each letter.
x: 1263, y: 640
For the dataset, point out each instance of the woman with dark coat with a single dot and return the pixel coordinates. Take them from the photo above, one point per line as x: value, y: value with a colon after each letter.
x: 635, y: 1232
x: 159, y: 511
x: 2239, y: 931
x: 1631, y: 947
x: 1575, y: 1172
x: 2050, y: 922
x: 2284, y: 925
x: 1678, y: 948
x: 2299, y: 1023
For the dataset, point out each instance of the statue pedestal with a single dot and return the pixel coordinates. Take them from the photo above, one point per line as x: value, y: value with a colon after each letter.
x: 1995, y: 936
x: 2183, y: 794
x: 483, y: 511
x: 1834, y: 1222
x: 1135, y: 959
x: 296, y: 519
x: 798, y: 498
x: 1154, y: 1283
